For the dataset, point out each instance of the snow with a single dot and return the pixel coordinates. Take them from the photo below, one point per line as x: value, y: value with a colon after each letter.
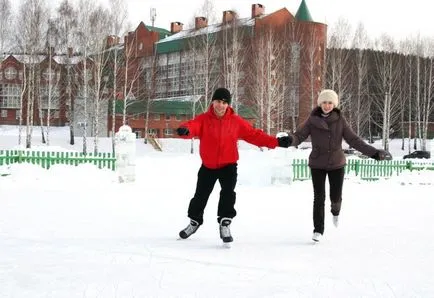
x: 212, y: 28
x: 76, y: 232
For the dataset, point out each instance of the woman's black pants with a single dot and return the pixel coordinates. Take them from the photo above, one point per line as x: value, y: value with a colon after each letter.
x: 336, y: 180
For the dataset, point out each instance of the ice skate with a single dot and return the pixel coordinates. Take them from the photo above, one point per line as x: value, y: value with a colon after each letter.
x: 316, y: 236
x: 189, y: 230
x: 336, y: 220
x: 225, y: 232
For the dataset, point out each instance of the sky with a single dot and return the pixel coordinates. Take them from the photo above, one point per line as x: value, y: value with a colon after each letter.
x: 76, y: 232
x: 396, y: 18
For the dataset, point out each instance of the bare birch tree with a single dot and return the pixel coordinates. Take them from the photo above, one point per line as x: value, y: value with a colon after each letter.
x: 361, y: 92
x: 5, y: 27
x: 256, y: 85
x: 419, y: 54
x: 115, y: 67
x: 94, y: 29
x: 428, y: 87
x: 291, y: 76
x: 311, y: 43
x: 119, y: 15
x: 84, y: 39
x: 31, y: 22
x: 49, y: 90
x: 419, y: 50
x: 100, y: 29
x: 150, y: 73
x: 66, y: 23
x: 267, y: 79
x: 388, y: 69
x: 232, y: 51
x: 200, y: 60
x: 132, y: 73
x: 203, y: 53
x: 407, y: 48
x: 339, y: 74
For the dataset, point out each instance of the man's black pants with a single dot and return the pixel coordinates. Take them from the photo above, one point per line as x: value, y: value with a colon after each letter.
x: 336, y: 180
x: 206, y: 179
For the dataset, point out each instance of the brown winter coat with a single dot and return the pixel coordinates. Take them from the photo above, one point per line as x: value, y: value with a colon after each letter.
x: 326, y: 135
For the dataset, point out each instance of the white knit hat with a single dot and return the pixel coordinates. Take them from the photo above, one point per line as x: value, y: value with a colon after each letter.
x: 328, y: 95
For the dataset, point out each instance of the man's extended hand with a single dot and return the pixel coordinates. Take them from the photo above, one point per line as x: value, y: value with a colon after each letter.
x: 284, y: 141
x: 182, y: 131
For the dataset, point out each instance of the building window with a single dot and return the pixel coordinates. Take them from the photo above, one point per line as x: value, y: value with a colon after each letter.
x: 4, y: 113
x: 167, y: 117
x: 168, y: 131
x: 45, y: 93
x: 178, y: 117
x: 141, y: 46
x: 156, y: 116
x: 130, y: 97
x: 17, y: 114
x: 85, y: 75
x: 152, y: 131
x: 174, y: 58
x: 88, y: 76
x: 10, y: 73
x: 10, y: 95
x: 49, y: 75
x: 56, y: 115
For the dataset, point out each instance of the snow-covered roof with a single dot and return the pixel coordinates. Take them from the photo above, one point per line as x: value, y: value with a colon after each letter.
x: 206, y: 30
x: 192, y: 98
x: 27, y: 59
x: 118, y: 47
x: 65, y: 60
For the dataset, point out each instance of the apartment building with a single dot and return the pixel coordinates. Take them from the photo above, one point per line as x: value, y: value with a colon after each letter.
x: 187, y: 65
x: 168, y: 76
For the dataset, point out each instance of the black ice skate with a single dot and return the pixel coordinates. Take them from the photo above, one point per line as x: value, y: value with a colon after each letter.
x: 189, y: 230
x: 225, y: 231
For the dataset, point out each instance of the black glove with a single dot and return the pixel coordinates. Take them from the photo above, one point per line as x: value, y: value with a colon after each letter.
x: 284, y: 142
x: 182, y: 131
x: 382, y: 155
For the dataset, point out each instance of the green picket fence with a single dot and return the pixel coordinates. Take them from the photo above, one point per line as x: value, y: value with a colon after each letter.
x: 46, y: 158
x: 367, y: 169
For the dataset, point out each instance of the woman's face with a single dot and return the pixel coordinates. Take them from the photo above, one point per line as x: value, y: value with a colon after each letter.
x: 327, y: 106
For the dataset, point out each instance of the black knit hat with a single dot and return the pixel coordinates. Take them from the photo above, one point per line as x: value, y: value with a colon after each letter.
x: 222, y: 94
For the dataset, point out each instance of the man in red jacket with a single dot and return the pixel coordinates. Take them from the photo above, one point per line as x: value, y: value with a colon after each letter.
x: 219, y: 130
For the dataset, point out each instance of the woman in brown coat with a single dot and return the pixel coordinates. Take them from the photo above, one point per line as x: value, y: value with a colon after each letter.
x: 327, y: 127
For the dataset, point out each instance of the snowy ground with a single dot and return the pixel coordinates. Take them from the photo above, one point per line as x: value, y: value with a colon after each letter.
x: 76, y: 232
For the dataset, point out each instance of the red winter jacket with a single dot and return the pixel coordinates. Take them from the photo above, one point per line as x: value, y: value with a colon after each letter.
x: 218, y: 137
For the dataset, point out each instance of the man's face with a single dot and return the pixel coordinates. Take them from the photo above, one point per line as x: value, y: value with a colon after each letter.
x: 219, y: 107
